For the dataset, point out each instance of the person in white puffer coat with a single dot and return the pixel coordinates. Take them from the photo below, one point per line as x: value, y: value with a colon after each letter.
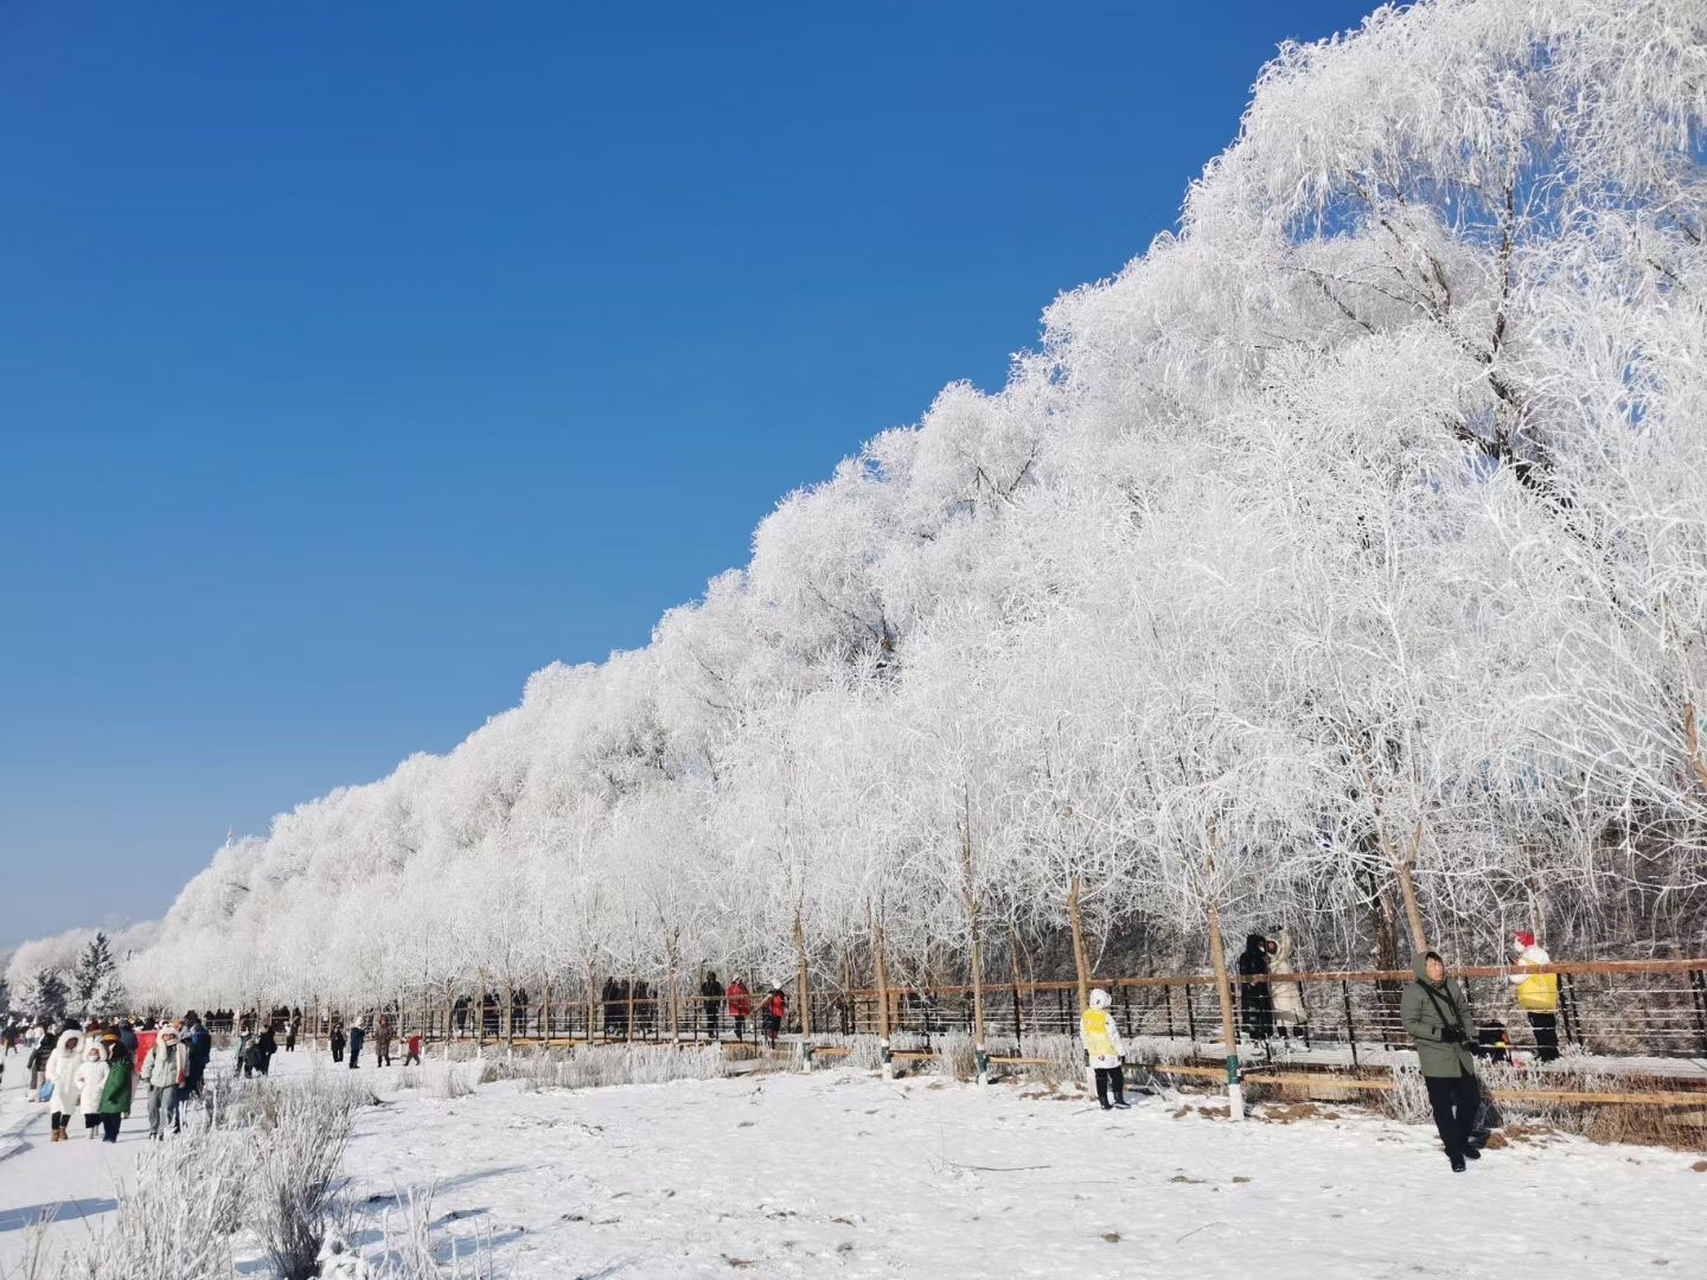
x: 62, y: 1066
x: 1288, y: 996
x: 1104, y: 1052
x: 91, y: 1078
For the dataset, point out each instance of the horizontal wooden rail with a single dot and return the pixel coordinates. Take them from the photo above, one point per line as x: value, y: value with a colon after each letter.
x: 904, y: 995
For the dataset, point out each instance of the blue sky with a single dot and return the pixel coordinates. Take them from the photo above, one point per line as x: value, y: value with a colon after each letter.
x: 359, y: 359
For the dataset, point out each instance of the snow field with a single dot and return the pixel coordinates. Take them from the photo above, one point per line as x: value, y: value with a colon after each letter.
x: 840, y: 1173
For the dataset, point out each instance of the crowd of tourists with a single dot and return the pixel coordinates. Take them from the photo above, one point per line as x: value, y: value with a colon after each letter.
x: 90, y: 1075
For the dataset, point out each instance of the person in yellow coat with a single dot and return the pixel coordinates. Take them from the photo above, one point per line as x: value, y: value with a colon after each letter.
x: 1537, y: 994
x: 1103, y: 1050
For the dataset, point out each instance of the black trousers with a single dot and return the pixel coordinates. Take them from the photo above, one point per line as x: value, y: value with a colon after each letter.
x: 1107, y: 1078
x: 711, y: 1020
x: 1455, y: 1100
x: 110, y: 1126
x: 1545, y: 1027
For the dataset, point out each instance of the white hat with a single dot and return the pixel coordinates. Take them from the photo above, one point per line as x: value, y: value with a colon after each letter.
x: 1100, y: 999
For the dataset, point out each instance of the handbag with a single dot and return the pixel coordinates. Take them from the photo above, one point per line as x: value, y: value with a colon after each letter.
x: 45, y: 1092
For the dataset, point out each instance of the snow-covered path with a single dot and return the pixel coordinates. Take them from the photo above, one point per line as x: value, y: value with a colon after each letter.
x: 842, y: 1174
x: 74, y: 1181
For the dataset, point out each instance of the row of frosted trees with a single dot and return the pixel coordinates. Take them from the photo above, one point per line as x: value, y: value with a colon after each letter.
x: 1342, y: 561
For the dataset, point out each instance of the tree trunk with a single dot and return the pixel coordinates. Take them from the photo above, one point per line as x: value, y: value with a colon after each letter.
x: 1692, y: 738
x: 882, y: 967
x: 1413, y: 917
x: 545, y: 1016
x: 480, y: 1013
x: 628, y: 1029
x: 1019, y: 981
x: 592, y: 1002
x: 509, y: 1012
x: 980, y: 1055
x: 1081, y: 964
x: 675, y: 1012
x: 803, y: 980
x: 970, y: 896
x: 1229, y: 1032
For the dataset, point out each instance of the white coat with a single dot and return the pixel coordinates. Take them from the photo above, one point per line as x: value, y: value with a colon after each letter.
x: 91, y: 1079
x: 62, y: 1066
x: 1288, y: 996
x: 1100, y: 1035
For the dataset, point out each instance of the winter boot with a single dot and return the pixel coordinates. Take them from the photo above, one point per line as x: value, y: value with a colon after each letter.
x: 1458, y: 1165
x: 1121, y: 1104
x: 1470, y: 1153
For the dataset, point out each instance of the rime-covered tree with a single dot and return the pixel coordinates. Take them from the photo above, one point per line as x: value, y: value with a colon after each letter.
x: 1342, y: 559
x: 49, y: 995
x: 93, y: 979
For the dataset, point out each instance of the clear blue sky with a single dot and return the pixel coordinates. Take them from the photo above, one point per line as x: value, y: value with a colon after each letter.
x: 357, y: 359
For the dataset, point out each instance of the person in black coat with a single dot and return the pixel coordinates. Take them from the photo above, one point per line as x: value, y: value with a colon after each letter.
x: 337, y: 1042
x: 1256, y: 1001
x: 711, y: 991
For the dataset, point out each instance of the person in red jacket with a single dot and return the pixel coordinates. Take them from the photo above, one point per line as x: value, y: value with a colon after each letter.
x: 772, y: 1010
x: 740, y: 1005
x: 413, y: 1046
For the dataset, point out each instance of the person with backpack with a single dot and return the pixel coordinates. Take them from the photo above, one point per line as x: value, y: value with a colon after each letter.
x: 740, y: 1003
x: 1104, y: 1053
x: 1537, y: 995
x: 711, y: 992
x: 1436, y: 1013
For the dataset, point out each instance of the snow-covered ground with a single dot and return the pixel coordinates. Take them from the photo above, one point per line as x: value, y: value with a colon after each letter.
x: 837, y: 1173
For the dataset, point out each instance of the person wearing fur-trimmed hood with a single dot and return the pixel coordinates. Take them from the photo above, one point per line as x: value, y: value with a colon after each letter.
x: 90, y: 1079
x: 62, y: 1067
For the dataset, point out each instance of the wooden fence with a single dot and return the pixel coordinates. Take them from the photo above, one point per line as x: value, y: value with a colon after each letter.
x: 1624, y: 1009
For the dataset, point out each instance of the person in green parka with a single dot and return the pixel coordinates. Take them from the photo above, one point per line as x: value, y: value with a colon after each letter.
x: 1437, y: 1015
x: 115, y: 1094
